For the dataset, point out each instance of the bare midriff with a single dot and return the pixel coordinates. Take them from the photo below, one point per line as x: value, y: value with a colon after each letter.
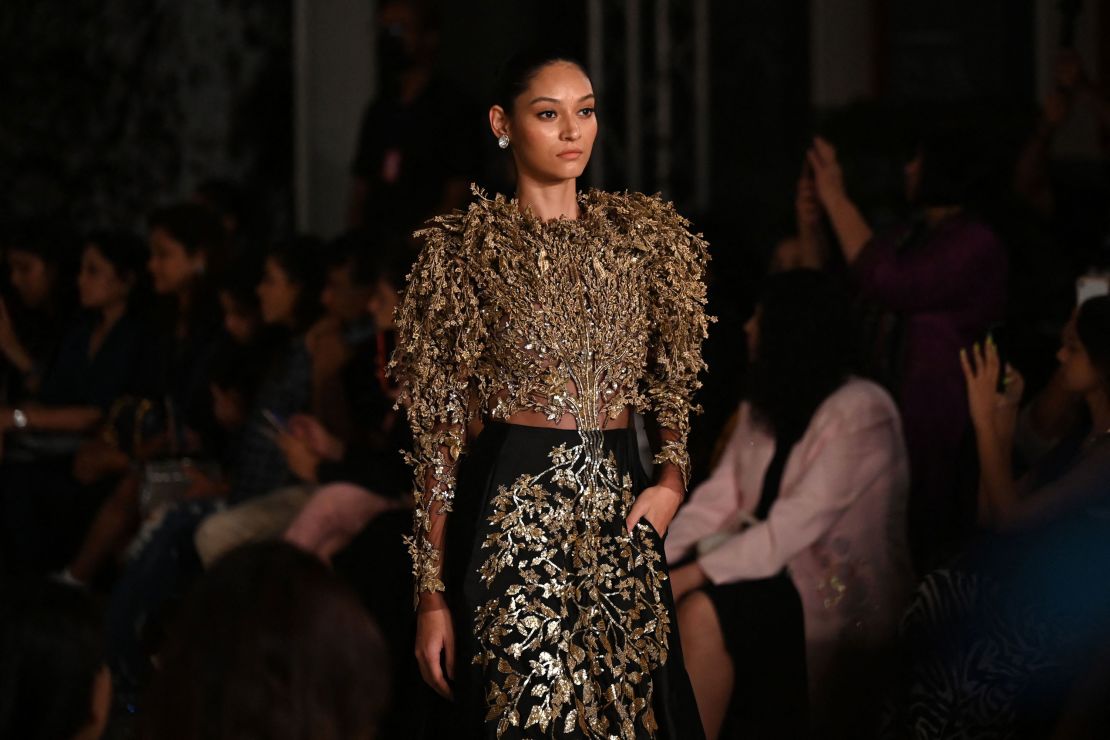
x: 568, y: 421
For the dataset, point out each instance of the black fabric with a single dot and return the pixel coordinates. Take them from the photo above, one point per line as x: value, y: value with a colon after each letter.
x: 407, y: 153
x: 497, y: 459
x: 764, y: 631
x: 77, y: 379
x: 373, y: 459
x: 772, y: 479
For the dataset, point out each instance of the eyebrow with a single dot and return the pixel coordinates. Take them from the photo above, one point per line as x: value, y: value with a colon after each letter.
x: 557, y: 100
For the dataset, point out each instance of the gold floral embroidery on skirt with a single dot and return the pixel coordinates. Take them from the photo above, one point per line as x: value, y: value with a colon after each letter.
x: 576, y: 624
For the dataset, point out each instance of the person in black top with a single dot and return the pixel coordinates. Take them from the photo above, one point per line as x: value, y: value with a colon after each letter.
x: 36, y: 301
x: 45, y: 511
x: 417, y: 150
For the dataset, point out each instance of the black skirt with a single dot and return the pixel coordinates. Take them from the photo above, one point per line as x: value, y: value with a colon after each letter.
x: 564, y: 621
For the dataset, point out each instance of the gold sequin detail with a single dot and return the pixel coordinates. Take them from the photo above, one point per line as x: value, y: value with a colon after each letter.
x: 504, y: 312
x: 572, y: 640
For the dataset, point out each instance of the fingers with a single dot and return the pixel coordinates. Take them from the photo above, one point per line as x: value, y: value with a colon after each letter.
x: 965, y: 364
x: 449, y: 654
x: 639, y: 506
x: 825, y: 150
x: 430, y: 670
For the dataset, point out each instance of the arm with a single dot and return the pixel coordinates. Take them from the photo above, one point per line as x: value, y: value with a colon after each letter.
x: 710, y: 504
x: 994, y: 418
x: 439, y: 340
x: 852, y: 230
x: 54, y: 419
x: 848, y: 456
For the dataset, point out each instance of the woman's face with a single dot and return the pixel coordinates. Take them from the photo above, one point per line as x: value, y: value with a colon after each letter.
x: 172, y: 268
x: 552, y: 126
x: 277, y: 295
x: 239, y: 323
x: 1080, y: 374
x: 31, y: 277
x: 98, y: 283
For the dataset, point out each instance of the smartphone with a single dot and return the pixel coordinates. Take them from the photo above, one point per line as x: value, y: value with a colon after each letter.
x: 279, y: 424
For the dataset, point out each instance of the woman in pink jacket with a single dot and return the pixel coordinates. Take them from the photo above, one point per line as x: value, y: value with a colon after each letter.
x: 790, y: 562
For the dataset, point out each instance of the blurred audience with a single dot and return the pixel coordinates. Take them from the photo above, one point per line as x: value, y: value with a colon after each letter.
x: 1008, y: 640
x: 54, y: 683
x: 45, y: 512
x: 412, y: 161
x: 936, y: 284
x: 269, y: 645
x: 790, y: 561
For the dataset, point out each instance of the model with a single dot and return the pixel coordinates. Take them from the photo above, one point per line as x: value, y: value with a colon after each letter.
x: 530, y: 331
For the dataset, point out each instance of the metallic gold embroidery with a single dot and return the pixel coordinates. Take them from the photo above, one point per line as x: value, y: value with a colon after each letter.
x: 578, y: 638
x: 505, y: 312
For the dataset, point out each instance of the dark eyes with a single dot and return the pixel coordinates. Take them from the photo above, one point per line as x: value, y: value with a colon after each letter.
x: 550, y: 115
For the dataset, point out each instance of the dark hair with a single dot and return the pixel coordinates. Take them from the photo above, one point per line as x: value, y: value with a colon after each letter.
x: 240, y: 280
x: 521, y: 67
x: 53, y: 242
x: 372, y: 256
x: 127, y: 254
x: 954, y: 167
x: 195, y: 226
x: 427, y: 12
x: 302, y: 260
x: 271, y: 644
x: 224, y: 198
x: 806, y: 348
x: 51, y: 650
x: 1093, y: 327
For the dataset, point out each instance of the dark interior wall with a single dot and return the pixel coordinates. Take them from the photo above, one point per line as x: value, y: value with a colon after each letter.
x: 111, y: 106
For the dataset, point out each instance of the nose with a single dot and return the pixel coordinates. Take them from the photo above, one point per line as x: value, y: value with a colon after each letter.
x: 571, y: 132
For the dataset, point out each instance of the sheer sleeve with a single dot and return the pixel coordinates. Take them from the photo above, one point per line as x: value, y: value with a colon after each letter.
x: 439, y: 341
x: 679, y: 326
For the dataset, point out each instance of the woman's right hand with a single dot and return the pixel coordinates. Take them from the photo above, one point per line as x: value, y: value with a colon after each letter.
x: 435, y: 643
x: 990, y: 410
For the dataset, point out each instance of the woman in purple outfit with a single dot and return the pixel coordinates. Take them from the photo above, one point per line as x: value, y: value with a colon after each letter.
x: 940, y: 282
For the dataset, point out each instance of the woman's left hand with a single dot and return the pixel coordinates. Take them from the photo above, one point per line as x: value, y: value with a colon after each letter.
x: 657, y: 505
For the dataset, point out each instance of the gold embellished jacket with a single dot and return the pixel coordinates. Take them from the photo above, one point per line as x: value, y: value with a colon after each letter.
x: 504, y: 312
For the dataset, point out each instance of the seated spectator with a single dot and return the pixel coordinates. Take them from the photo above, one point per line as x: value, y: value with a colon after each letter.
x: 366, y: 467
x: 269, y: 645
x: 54, y: 684
x: 33, y: 315
x: 171, y: 379
x: 165, y: 561
x: 45, y: 512
x: 98, y: 350
x: 791, y: 560
x: 935, y: 285
x: 1006, y: 641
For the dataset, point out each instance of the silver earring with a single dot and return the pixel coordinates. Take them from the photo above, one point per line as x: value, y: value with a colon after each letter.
x: 503, y: 141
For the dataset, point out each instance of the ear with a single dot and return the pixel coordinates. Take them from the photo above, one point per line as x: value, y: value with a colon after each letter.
x: 499, y: 122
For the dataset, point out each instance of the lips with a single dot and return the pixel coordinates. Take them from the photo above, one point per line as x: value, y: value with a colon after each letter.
x: 570, y: 154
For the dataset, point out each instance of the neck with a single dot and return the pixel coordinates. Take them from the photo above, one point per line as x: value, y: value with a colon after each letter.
x: 1098, y: 403
x: 935, y: 214
x: 548, y: 200
x: 112, y: 313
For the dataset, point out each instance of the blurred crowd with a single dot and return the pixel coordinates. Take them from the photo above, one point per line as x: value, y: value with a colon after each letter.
x: 898, y: 526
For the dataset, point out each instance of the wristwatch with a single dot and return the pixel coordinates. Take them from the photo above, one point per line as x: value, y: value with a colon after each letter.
x: 19, y: 419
